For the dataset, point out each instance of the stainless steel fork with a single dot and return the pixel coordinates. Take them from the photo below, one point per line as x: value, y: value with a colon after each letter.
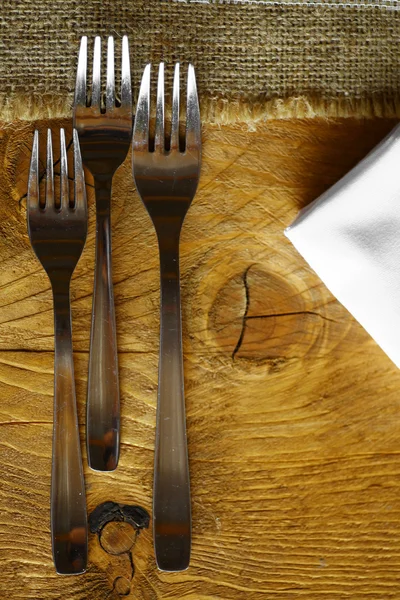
x: 166, y: 179
x: 105, y: 131
x: 58, y: 232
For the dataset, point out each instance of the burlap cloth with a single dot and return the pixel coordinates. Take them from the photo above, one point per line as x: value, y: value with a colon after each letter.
x: 253, y: 59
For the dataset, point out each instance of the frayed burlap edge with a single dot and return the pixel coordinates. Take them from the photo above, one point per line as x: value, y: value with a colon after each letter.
x: 225, y: 110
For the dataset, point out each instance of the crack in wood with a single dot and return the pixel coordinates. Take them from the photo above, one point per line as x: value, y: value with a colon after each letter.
x: 25, y: 423
x: 290, y: 314
x: 76, y: 351
x: 132, y: 565
x: 246, y: 309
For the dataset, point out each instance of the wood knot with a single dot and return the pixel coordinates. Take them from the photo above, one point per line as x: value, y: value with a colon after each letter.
x: 263, y: 316
x: 117, y: 527
x: 117, y: 537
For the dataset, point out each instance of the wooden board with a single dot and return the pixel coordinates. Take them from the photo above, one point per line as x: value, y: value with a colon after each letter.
x: 292, y: 409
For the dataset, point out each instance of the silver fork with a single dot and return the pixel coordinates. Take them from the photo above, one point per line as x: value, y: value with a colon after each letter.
x: 105, y: 134
x: 167, y: 181
x: 58, y: 232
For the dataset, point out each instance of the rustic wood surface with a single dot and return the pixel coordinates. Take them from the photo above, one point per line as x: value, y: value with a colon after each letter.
x: 292, y: 410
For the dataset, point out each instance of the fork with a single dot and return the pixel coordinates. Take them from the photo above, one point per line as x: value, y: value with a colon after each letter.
x: 105, y: 131
x: 57, y: 231
x: 166, y: 179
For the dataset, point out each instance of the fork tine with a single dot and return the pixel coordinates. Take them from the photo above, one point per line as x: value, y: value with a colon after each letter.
x: 33, y: 182
x: 159, y: 142
x: 193, y: 125
x: 80, y: 86
x: 110, y: 87
x: 141, y: 127
x: 79, y: 176
x: 96, y: 85
x: 49, y: 196
x: 126, y: 89
x: 64, y: 186
x: 175, y: 111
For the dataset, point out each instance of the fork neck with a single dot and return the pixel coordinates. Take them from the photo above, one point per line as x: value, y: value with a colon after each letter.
x: 168, y: 246
x: 62, y: 310
x: 102, y: 187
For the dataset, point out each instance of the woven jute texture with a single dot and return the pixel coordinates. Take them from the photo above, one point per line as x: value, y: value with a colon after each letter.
x: 253, y: 60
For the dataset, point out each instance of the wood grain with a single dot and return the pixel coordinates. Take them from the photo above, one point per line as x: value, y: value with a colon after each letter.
x: 292, y: 409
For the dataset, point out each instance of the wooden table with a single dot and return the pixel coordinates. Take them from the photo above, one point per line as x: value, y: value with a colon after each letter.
x: 292, y: 409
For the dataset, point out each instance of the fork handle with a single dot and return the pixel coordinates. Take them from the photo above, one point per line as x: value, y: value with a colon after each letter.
x: 103, y: 405
x: 68, y: 501
x: 171, y: 495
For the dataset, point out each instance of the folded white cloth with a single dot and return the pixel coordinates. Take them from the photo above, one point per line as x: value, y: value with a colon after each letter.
x: 350, y: 236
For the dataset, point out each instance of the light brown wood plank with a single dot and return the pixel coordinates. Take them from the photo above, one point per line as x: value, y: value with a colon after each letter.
x: 292, y: 409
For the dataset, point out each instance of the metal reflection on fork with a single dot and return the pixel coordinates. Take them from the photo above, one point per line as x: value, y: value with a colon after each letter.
x: 105, y: 131
x: 166, y: 179
x: 57, y: 231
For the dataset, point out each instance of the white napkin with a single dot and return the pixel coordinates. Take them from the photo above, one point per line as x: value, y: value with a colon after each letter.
x: 350, y: 236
